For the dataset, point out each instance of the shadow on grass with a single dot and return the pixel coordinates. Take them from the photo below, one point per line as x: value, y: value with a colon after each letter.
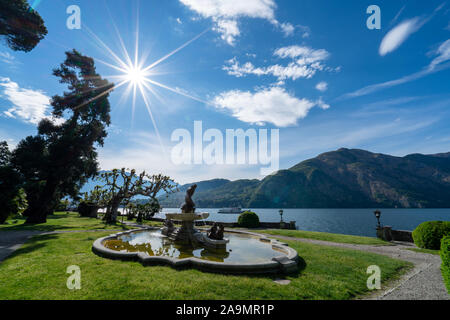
x: 33, y: 244
x: 35, y: 227
x: 20, y: 225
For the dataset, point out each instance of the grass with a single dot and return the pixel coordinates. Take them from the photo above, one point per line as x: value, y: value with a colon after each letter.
x: 61, y: 221
x: 430, y: 251
x: 333, y: 237
x: 38, y: 271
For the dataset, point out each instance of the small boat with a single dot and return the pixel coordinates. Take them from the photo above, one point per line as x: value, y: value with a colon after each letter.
x: 230, y: 210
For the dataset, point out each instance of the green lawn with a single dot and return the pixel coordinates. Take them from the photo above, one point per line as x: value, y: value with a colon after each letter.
x: 38, y: 271
x: 61, y: 221
x: 333, y: 237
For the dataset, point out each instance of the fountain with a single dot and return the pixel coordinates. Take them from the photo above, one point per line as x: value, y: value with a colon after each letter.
x: 186, y: 246
x: 187, y: 234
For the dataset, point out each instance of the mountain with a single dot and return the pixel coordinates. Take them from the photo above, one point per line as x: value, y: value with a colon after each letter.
x: 346, y: 178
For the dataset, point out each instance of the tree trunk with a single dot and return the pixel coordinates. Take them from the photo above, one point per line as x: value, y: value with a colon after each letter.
x: 38, y: 212
x: 111, y: 213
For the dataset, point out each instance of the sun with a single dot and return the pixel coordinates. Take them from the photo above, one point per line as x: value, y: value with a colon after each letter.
x: 135, y: 75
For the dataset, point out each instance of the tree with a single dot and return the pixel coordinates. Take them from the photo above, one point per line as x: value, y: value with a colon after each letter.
x: 11, y: 195
x: 22, y: 27
x: 125, y: 184
x: 5, y: 154
x: 62, y: 157
x: 147, y: 210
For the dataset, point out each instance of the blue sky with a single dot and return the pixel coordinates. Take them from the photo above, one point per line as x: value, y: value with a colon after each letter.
x: 311, y: 69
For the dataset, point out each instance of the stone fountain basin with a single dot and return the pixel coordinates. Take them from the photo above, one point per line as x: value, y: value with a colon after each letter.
x: 187, y: 216
x: 286, y: 262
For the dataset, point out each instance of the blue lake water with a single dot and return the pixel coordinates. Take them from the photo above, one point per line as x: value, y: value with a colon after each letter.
x: 359, y: 222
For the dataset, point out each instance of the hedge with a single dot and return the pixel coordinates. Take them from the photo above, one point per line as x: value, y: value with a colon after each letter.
x: 445, y: 256
x: 428, y: 235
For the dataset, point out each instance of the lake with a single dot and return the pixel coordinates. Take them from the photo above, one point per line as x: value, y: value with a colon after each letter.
x: 359, y: 222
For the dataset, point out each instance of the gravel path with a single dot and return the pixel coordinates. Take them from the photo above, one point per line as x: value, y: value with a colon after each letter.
x: 423, y: 282
x: 10, y: 241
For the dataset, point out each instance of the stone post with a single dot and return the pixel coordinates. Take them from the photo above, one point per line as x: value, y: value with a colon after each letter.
x: 387, y: 233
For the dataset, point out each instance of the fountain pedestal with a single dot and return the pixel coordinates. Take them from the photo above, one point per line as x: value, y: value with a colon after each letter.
x: 187, y: 234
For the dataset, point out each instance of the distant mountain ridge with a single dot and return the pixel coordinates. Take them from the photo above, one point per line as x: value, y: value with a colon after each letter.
x: 346, y: 178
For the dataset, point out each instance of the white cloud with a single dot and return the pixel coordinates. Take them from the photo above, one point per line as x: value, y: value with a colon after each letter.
x: 305, y: 54
x: 179, y: 21
x: 228, y: 29
x: 28, y: 105
x: 400, y: 33
x: 226, y: 13
x: 268, y: 105
x: 233, y: 8
x: 322, y: 86
x: 306, y: 62
x: 287, y: 28
x: 394, y: 38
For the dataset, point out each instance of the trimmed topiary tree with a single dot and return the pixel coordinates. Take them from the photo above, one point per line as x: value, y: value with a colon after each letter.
x: 445, y: 256
x: 428, y: 235
x: 248, y: 219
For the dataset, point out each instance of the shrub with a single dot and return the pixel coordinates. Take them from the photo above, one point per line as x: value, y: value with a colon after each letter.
x: 87, y: 209
x: 428, y: 235
x: 248, y: 219
x: 445, y: 256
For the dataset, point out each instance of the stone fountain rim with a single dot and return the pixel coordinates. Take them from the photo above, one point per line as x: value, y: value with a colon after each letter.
x: 285, y: 263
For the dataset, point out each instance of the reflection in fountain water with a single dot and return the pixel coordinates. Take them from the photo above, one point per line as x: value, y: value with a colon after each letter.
x: 241, y: 248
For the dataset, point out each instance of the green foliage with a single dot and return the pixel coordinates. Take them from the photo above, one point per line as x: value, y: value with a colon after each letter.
x: 248, y: 219
x: 62, y: 157
x: 428, y: 235
x: 63, y: 205
x: 5, y: 154
x: 147, y: 210
x: 445, y: 257
x: 12, y: 197
x: 22, y: 26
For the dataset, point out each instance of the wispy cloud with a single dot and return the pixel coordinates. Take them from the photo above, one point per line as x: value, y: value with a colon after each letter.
x: 436, y: 65
x: 29, y: 105
x: 267, y: 105
x: 226, y: 13
x: 399, y: 13
x: 7, y: 58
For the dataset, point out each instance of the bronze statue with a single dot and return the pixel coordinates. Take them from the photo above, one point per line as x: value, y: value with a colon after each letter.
x: 169, y: 225
x: 189, y: 205
x: 216, y: 232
